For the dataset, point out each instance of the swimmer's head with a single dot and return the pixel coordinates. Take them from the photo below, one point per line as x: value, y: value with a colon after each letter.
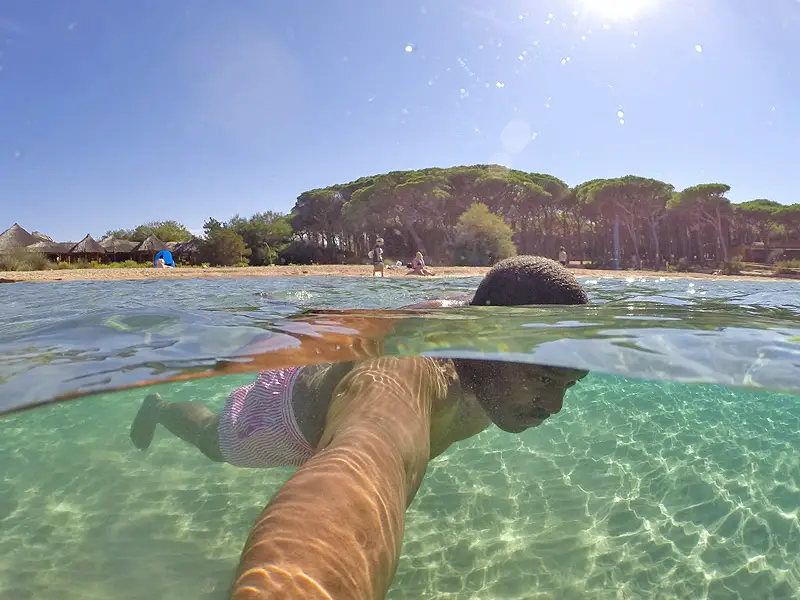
x: 523, y: 280
x: 518, y: 396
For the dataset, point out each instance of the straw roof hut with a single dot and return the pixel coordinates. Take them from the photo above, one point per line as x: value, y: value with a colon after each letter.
x: 188, y: 251
x: 148, y: 248
x: 151, y: 245
x: 42, y: 237
x: 87, y: 248
x: 52, y: 250
x: 15, y: 237
x: 118, y: 249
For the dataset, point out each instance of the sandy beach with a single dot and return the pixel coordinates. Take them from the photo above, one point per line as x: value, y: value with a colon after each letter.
x: 319, y: 271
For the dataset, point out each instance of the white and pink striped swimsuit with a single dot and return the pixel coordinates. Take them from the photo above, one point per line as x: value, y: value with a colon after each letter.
x: 257, y: 427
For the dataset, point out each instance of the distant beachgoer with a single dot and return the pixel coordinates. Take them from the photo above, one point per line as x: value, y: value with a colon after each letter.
x: 278, y: 420
x: 418, y: 266
x: 562, y: 256
x: 376, y: 255
x: 160, y: 263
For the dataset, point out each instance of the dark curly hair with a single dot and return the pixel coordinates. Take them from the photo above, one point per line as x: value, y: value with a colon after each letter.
x: 522, y: 280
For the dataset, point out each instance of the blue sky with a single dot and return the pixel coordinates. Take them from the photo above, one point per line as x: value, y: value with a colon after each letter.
x: 117, y: 113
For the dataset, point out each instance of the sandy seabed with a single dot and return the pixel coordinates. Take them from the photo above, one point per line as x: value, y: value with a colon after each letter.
x: 315, y: 271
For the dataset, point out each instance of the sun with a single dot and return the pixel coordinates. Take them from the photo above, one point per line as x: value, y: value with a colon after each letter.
x: 618, y: 9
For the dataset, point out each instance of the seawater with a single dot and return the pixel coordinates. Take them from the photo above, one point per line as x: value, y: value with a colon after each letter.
x: 671, y: 471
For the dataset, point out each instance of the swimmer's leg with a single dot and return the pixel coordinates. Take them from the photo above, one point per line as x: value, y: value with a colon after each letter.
x: 193, y: 422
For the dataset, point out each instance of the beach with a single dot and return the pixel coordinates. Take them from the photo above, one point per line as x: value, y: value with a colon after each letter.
x: 321, y: 271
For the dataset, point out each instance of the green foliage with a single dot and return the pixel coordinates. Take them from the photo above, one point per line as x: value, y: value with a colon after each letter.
x: 222, y: 246
x: 22, y: 259
x: 734, y: 267
x: 301, y: 253
x: 166, y: 231
x: 787, y: 267
x: 265, y: 234
x: 421, y: 209
x: 120, y: 234
x: 482, y: 238
x: 125, y: 264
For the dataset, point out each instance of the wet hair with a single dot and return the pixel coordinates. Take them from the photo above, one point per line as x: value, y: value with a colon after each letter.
x: 523, y: 280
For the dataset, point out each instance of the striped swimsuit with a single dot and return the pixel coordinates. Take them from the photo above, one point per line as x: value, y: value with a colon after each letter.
x: 257, y: 427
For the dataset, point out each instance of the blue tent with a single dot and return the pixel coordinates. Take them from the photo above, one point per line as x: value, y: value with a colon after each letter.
x: 167, y: 256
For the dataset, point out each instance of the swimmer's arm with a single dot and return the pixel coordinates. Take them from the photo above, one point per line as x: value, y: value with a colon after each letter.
x: 335, y: 529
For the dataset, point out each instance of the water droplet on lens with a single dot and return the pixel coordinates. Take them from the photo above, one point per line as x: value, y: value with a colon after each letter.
x: 622, y: 121
x: 409, y: 48
x: 698, y: 48
x: 620, y: 114
x: 500, y: 84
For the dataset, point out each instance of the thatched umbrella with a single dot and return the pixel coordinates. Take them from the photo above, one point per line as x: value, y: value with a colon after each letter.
x: 15, y: 237
x: 87, y: 248
x: 115, y: 246
x: 149, y: 247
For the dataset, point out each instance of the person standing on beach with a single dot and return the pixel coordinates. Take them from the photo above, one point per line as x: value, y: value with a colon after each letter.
x: 376, y: 254
x: 562, y: 256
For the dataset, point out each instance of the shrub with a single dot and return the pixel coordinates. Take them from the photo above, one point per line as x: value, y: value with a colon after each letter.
x: 786, y: 267
x: 224, y: 247
x: 482, y: 238
x: 733, y: 267
x: 22, y: 259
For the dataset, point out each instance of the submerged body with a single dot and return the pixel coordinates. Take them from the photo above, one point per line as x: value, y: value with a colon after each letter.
x: 363, y: 434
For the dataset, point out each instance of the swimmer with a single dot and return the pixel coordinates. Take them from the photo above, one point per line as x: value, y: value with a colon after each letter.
x: 279, y: 419
x: 335, y: 528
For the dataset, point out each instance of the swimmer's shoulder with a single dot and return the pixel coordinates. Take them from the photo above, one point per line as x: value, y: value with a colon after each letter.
x: 450, y: 301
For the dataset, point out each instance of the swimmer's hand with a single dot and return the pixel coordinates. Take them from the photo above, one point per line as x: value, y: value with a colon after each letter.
x: 334, y: 530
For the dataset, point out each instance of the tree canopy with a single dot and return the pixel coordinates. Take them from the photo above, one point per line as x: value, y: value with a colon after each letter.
x: 449, y: 213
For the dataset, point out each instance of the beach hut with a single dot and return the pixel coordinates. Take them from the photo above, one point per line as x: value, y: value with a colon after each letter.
x: 187, y: 252
x: 15, y: 238
x: 42, y: 237
x: 54, y: 251
x: 147, y: 249
x: 87, y: 249
x: 118, y: 250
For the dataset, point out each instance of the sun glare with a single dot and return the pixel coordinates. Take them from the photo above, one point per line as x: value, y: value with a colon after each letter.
x: 618, y: 9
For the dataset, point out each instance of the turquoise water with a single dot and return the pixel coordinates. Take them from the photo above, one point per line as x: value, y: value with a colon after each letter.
x: 660, y: 487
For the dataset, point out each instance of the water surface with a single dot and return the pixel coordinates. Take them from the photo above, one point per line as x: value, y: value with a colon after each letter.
x: 671, y: 471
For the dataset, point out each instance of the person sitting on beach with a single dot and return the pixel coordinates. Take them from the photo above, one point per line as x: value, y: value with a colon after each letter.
x: 376, y: 255
x: 418, y: 266
x: 279, y: 419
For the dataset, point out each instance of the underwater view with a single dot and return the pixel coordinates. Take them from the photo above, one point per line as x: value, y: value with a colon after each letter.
x: 671, y: 471
x: 453, y: 300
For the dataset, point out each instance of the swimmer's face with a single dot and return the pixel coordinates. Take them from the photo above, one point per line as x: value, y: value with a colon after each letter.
x: 518, y: 396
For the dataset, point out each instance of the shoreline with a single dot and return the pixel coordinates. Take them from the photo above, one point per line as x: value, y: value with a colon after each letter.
x: 135, y: 274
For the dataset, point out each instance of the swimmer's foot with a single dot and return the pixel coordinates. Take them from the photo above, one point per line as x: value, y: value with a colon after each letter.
x: 144, y: 423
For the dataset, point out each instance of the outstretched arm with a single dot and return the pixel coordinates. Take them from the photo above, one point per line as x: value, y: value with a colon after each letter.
x: 335, y: 529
